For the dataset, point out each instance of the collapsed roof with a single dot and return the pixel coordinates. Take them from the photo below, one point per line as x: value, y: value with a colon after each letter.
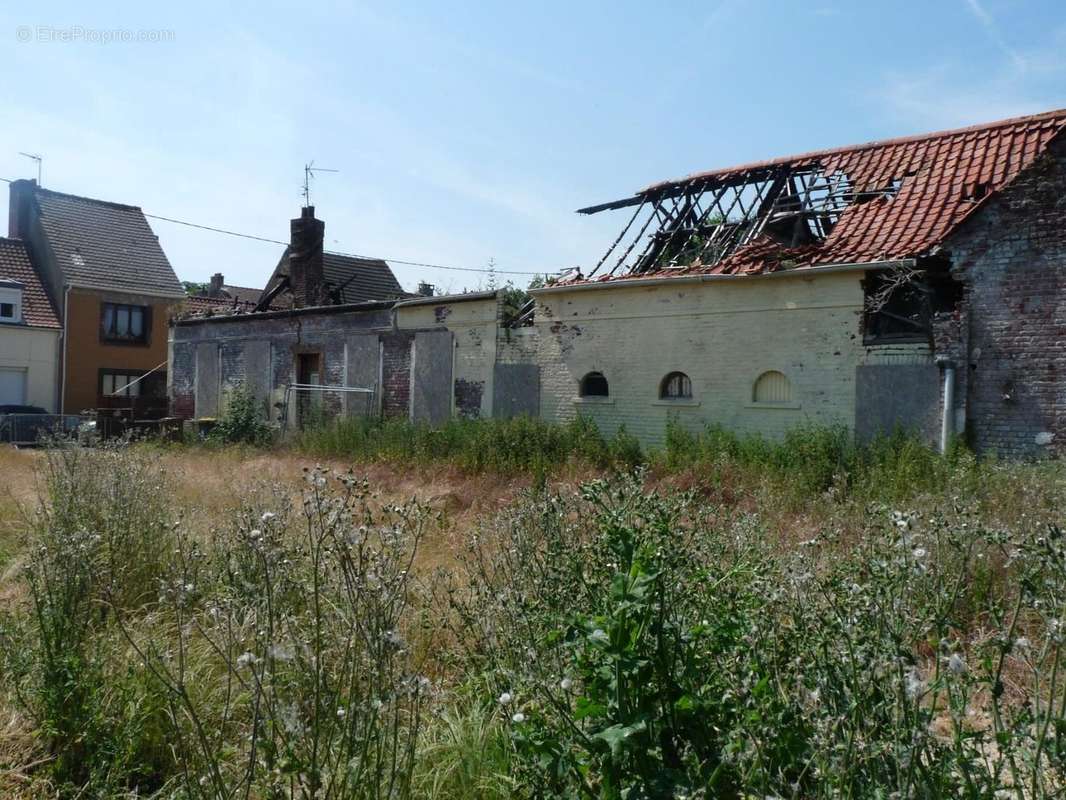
x: 880, y: 201
x: 347, y: 279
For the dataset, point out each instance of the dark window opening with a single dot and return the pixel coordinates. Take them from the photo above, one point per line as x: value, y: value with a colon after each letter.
x: 7, y: 310
x: 308, y: 401
x: 125, y: 323
x: 675, y: 386
x: 594, y: 384
x: 900, y: 309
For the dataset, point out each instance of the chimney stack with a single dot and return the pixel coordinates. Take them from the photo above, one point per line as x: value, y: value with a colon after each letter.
x: 426, y: 289
x: 305, y: 258
x: 18, y: 207
x: 215, y: 288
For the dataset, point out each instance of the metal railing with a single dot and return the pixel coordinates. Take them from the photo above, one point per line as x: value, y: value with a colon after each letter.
x: 30, y: 429
x: 312, y: 389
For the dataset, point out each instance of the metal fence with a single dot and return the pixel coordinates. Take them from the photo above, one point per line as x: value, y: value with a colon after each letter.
x: 27, y: 429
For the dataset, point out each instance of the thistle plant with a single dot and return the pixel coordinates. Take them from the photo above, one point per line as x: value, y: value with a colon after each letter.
x: 314, y: 691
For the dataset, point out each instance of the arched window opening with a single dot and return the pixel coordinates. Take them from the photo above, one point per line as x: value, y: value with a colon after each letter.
x: 594, y: 385
x: 772, y: 387
x: 675, y: 386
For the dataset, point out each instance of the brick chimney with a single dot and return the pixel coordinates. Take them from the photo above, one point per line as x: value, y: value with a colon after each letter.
x: 18, y: 208
x: 215, y: 287
x: 305, y: 258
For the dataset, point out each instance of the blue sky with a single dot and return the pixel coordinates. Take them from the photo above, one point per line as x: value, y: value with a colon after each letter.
x: 470, y: 131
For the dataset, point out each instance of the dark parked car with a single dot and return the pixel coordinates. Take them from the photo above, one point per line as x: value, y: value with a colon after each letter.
x: 27, y: 424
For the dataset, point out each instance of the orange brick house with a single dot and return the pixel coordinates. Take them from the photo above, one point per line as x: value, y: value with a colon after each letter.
x: 114, y: 289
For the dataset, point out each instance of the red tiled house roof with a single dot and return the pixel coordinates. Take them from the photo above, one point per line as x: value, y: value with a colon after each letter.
x: 925, y: 185
x: 37, y: 308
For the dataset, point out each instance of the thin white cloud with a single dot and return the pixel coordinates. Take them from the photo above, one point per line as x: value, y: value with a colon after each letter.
x: 991, y: 27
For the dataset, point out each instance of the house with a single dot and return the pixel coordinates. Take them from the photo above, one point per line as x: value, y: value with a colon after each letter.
x: 345, y: 280
x: 113, y: 288
x: 917, y: 282
x: 29, y: 332
x: 337, y: 334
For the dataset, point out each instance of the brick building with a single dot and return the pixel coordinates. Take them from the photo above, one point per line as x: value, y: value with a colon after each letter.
x: 344, y: 324
x: 862, y: 286
x: 916, y: 283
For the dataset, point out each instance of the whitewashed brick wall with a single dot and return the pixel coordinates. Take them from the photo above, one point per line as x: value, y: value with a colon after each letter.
x: 722, y: 334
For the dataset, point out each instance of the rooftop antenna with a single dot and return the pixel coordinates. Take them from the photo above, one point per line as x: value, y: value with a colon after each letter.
x: 309, y: 173
x: 38, y: 159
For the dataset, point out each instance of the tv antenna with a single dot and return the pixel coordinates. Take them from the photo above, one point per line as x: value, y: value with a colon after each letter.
x: 34, y: 157
x: 309, y: 173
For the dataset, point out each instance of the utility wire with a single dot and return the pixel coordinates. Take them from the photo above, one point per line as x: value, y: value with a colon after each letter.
x: 335, y: 252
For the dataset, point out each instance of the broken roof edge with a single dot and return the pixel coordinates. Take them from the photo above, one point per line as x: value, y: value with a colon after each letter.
x: 370, y: 305
x: 448, y: 298
x: 779, y: 161
x: 695, y: 277
x: 110, y: 289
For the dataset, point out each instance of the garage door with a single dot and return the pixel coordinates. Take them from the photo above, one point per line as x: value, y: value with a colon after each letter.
x: 12, y: 387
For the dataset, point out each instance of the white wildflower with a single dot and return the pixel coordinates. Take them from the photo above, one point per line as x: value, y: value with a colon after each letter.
x: 518, y: 717
x: 956, y: 664
x: 915, y: 685
x: 506, y: 698
x: 599, y: 636
x: 565, y: 684
x: 268, y: 516
x: 280, y: 652
x: 919, y: 552
x: 245, y: 660
x: 341, y: 713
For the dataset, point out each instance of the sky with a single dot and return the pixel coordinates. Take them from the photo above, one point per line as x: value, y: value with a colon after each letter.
x: 468, y: 133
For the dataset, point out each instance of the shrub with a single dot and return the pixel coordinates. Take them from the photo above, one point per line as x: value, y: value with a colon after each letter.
x: 98, y: 544
x: 242, y: 421
x: 643, y: 646
x: 285, y: 655
x: 522, y: 444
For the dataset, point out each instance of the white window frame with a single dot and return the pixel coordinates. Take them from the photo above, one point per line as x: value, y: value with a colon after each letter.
x: 12, y: 295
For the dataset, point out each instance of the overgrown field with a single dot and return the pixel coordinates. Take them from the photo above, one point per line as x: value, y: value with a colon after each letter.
x: 508, y: 610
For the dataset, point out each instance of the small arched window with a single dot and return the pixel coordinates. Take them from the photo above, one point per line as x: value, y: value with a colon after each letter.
x: 675, y: 386
x: 772, y: 387
x: 593, y: 385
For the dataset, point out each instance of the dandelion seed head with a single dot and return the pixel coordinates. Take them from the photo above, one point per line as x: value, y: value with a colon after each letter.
x: 505, y: 699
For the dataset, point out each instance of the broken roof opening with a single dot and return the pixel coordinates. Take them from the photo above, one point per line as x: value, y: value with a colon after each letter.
x: 882, y: 201
x: 703, y: 223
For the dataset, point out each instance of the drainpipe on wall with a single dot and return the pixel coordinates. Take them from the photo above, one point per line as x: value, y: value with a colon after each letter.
x: 947, y: 420
x: 63, y: 350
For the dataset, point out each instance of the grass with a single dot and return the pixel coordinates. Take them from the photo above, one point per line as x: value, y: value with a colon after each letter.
x: 778, y: 619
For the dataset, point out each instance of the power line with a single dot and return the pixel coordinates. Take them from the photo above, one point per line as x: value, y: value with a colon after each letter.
x: 239, y: 235
x: 339, y: 252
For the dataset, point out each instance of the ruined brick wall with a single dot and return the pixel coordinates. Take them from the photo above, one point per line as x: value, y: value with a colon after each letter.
x: 396, y: 374
x: 473, y: 321
x: 722, y: 334
x: 260, y: 352
x: 1011, y: 256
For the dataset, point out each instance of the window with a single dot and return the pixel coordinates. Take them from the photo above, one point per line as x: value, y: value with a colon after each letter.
x: 10, y: 302
x: 117, y: 383
x: 594, y: 385
x: 899, y: 309
x: 772, y: 387
x: 123, y: 323
x: 675, y: 386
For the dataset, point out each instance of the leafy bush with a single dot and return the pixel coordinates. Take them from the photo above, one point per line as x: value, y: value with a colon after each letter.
x: 522, y: 444
x: 99, y: 544
x: 643, y: 646
x: 242, y: 421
